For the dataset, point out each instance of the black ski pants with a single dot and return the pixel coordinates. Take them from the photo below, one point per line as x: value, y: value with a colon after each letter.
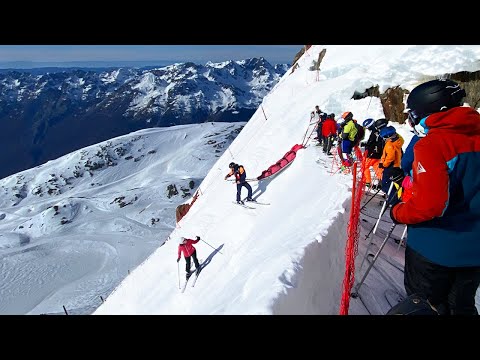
x: 451, y: 290
x: 239, y: 190
x: 195, y: 260
x: 327, y: 144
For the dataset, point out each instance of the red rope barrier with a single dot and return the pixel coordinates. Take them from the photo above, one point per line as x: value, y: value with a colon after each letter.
x: 353, y: 234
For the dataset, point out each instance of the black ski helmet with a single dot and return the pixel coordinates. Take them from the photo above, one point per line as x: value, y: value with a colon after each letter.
x: 433, y: 96
x: 380, y: 123
x: 231, y: 165
x: 331, y: 116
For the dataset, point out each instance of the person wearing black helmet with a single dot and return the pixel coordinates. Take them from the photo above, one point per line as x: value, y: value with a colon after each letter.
x: 380, y: 124
x: 321, y: 121
x: 374, y: 149
x: 240, y: 180
x: 442, y: 257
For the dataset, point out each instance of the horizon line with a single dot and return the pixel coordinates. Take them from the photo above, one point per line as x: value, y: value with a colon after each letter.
x: 27, y: 64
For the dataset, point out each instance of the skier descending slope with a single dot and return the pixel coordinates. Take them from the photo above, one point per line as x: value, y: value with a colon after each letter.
x: 186, y: 247
x: 240, y: 180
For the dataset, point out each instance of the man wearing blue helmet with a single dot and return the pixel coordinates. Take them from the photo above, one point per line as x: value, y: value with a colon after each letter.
x: 390, y: 160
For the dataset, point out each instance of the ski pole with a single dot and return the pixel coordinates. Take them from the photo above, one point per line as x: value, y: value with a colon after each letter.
x: 401, y: 239
x: 264, y: 112
x: 178, y: 272
x: 363, y: 207
x: 355, y: 293
x: 374, y: 229
x: 306, y: 132
x: 211, y: 246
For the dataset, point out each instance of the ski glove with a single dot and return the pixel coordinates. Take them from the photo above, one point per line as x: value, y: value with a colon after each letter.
x: 178, y: 259
x: 198, y: 237
x: 381, y: 166
x: 391, y: 214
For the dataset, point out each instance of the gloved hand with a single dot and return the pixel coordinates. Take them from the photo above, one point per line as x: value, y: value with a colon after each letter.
x: 178, y: 259
x: 363, y: 144
x: 226, y: 177
x: 198, y: 237
x: 380, y: 166
x: 391, y: 213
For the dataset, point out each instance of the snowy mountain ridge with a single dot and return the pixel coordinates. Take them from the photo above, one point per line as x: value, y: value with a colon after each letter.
x: 57, y: 113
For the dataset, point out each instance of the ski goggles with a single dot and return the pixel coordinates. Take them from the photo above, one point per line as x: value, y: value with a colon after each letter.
x: 413, y: 118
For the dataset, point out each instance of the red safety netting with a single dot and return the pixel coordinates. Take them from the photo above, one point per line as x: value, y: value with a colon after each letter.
x: 353, y: 233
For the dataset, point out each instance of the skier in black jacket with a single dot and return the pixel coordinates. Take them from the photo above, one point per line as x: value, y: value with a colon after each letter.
x: 240, y: 179
x: 374, y: 148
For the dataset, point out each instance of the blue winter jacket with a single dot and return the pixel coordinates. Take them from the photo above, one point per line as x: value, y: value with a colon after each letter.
x: 407, y: 159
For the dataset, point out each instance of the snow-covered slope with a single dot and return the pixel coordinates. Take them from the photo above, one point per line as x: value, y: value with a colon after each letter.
x: 287, y: 257
x: 72, y: 228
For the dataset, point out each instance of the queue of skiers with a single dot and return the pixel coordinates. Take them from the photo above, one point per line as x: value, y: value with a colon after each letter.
x: 439, y: 203
x: 383, y: 149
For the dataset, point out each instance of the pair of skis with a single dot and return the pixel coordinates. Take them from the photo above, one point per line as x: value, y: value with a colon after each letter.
x: 195, y: 276
x: 251, y: 202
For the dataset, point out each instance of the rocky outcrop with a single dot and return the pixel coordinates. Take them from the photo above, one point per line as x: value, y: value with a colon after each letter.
x: 393, y: 99
x: 393, y: 105
x: 470, y: 81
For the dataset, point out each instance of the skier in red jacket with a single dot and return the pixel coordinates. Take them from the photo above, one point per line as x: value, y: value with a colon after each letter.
x: 186, y: 246
x: 329, y: 131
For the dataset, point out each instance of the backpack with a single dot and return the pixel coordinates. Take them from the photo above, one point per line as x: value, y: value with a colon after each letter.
x: 360, y: 134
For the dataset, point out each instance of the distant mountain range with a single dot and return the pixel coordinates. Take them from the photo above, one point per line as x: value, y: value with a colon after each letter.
x: 42, y: 67
x: 44, y: 115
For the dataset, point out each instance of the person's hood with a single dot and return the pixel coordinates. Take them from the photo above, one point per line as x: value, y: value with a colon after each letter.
x: 461, y: 120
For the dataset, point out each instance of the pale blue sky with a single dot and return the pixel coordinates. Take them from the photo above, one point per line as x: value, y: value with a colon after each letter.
x: 96, y: 55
